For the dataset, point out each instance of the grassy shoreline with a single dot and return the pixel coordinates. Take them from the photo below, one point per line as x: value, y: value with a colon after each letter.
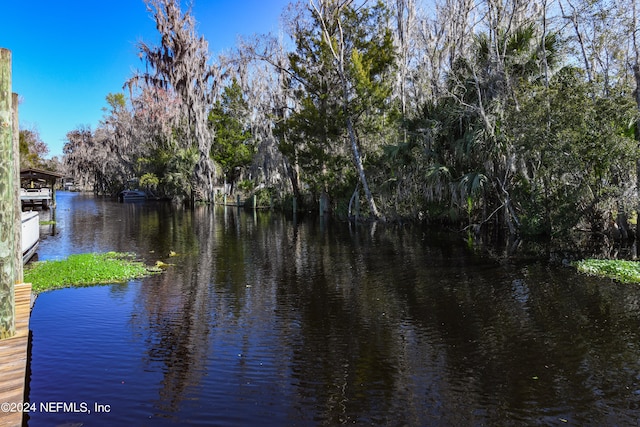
x: 86, y: 270
x: 621, y: 270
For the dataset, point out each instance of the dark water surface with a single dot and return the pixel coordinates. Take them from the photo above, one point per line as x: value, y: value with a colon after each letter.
x: 263, y: 321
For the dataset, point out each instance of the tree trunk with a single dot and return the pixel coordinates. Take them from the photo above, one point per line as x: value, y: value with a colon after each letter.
x: 573, y: 18
x: 292, y: 173
x: 203, y: 176
x: 360, y: 167
x: 7, y: 203
x: 339, y: 57
x: 636, y: 74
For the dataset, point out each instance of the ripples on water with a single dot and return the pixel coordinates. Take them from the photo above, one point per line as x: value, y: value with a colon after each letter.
x: 263, y: 321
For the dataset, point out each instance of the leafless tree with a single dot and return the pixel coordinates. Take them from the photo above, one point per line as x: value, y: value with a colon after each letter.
x: 601, y: 32
x: 634, y: 61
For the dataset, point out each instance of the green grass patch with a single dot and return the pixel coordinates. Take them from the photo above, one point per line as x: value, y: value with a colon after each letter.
x: 621, y: 270
x: 85, y: 270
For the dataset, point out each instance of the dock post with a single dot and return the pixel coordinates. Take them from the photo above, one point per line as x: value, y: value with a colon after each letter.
x: 17, y: 232
x: 53, y: 194
x: 7, y: 202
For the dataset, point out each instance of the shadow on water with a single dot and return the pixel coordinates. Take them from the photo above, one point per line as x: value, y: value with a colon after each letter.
x: 265, y: 321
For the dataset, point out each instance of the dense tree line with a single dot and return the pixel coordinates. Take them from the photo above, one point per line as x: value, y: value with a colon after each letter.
x: 33, y: 151
x: 507, y: 115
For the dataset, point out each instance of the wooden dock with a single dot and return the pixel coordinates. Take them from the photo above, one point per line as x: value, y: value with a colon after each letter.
x: 13, y: 360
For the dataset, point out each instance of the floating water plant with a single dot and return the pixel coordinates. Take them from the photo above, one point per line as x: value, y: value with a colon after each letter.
x: 85, y: 270
x: 621, y: 270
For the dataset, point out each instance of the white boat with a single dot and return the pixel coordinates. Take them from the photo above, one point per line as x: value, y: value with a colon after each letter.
x: 131, y: 195
x: 33, y: 196
x: 30, y: 234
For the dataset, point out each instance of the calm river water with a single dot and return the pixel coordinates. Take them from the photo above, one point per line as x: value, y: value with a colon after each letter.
x: 265, y: 321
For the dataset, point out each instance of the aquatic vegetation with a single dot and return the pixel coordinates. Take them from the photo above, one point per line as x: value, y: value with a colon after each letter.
x: 162, y: 265
x: 621, y: 270
x: 85, y: 270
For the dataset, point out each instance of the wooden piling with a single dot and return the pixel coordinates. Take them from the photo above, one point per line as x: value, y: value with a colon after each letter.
x: 7, y: 202
x: 19, y: 274
x: 15, y: 297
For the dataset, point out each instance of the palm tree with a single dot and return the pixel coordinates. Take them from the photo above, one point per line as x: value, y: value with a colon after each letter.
x: 474, y: 158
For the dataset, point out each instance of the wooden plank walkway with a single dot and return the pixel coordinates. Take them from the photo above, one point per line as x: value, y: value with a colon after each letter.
x: 13, y: 359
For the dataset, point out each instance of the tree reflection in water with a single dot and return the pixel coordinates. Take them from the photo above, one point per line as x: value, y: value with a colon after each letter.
x: 264, y: 320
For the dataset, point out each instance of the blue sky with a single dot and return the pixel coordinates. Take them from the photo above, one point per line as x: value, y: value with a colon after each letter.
x: 67, y: 55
